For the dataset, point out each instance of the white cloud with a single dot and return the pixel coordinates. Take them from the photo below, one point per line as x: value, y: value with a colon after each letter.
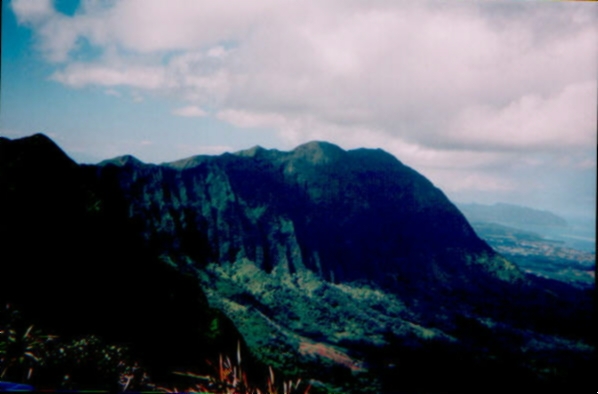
x: 482, y: 182
x: 32, y: 11
x: 81, y: 74
x: 154, y: 25
x: 246, y: 119
x: 566, y: 119
x: 56, y: 33
x: 406, y: 68
x: 190, y: 111
x: 453, y: 88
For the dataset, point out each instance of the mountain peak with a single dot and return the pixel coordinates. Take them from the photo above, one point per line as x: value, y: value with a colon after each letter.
x: 37, y: 141
x: 318, y: 152
x: 122, y: 161
x: 37, y: 137
x: 37, y: 148
x: 252, y: 152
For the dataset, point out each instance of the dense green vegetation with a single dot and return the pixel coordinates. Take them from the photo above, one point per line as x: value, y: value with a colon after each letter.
x: 368, y: 339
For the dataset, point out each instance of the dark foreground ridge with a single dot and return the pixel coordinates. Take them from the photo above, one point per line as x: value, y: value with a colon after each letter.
x: 74, y: 265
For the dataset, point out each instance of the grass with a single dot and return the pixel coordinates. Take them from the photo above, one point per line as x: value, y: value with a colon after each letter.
x: 48, y: 362
x: 229, y: 378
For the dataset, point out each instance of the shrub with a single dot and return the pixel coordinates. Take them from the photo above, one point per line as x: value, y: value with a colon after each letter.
x: 231, y: 379
x: 49, y: 362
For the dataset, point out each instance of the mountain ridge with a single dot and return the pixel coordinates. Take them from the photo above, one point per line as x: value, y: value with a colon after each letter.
x: 504, y: 213
x: 354, y: 251
x: 122, y: 161
x: 321, y: 177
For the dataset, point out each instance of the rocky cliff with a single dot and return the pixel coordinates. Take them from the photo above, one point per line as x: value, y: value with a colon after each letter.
x: 344, y: 215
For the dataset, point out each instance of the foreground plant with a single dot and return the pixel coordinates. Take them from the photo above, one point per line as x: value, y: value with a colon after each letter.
x: 22, y: 348
x: 89, y: 362
x: 28, y: 356
x: 231, y: 379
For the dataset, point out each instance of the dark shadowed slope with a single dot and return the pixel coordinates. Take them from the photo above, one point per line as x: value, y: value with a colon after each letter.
x: 356, y: 215
x: 75, y: 265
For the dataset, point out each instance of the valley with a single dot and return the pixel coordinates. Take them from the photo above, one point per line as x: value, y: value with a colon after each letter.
x: 543, y: 244
x: 347, y: 331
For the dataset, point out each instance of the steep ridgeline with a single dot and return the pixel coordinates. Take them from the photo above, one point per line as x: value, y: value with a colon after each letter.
x: 358, y: 215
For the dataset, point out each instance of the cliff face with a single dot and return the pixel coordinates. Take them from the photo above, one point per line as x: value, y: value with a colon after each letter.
x: 344, y: 215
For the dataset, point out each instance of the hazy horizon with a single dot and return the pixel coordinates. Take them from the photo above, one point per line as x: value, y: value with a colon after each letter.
x: 493, y: 101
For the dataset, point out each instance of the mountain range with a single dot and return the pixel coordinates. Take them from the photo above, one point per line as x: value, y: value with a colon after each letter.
x: 356, y: 215
x: 509, y: 214
x: 334, y: 264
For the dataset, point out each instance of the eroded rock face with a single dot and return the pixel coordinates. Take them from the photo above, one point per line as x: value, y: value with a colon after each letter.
x: 345, y: 215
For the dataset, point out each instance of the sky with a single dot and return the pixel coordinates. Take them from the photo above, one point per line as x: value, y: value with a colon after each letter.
x: 493, y: 101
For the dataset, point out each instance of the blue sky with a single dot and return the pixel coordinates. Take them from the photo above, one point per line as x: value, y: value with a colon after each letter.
x: 491, y: 100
